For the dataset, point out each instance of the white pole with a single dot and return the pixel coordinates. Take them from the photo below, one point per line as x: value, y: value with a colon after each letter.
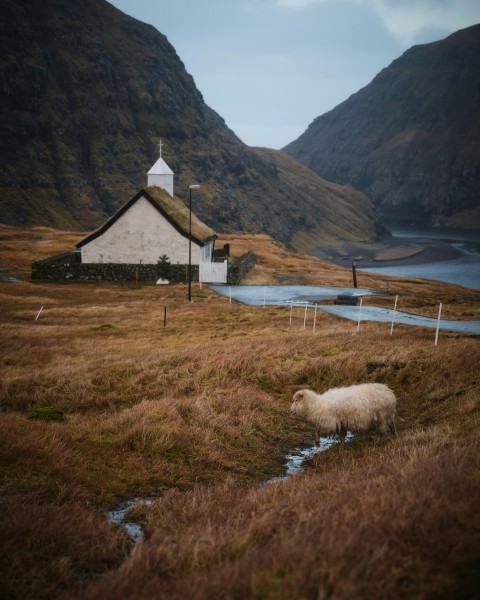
x: 315, y: 318
x: 38, y: 313
x: 291, y: 309
x: 230, y: 293
x: 305, y: 317
x: 438, y: 323
x: 393, y: 315
x: 359, y: 314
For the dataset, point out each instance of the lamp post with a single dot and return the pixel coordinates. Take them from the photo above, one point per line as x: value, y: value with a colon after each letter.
x: 191, y: 187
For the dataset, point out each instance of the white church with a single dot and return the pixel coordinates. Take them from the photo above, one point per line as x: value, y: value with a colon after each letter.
x: 152, y: 224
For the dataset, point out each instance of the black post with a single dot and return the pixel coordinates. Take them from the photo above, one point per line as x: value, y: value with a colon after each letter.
x: 354, y: 267
x: 191, y: 187
x: 190, y: 251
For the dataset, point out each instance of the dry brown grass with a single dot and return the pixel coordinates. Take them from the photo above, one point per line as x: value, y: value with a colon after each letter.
x: 196, y: 415
x: 378, y: 522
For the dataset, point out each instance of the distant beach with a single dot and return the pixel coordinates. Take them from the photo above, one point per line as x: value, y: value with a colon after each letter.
x: 450, y: 255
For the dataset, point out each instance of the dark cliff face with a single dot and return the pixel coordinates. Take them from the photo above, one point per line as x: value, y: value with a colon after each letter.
x: 410, y: 139
x: 86, y: 93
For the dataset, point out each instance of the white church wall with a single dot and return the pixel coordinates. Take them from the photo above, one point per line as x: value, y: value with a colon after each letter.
x: 142, y: 234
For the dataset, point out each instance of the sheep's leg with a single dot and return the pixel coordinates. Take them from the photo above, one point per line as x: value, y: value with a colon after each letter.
x: 317, y: 437
x: 393, y: 428
x: 342, y: 434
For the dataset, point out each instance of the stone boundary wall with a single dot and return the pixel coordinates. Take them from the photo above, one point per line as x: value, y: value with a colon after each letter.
x: 68, y: 267
x: 239, y: 267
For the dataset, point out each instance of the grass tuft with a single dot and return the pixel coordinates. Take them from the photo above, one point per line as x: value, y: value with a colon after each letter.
x: 47, y: 413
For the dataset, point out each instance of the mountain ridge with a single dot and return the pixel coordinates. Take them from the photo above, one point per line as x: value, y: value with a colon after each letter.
x: 87, y: 91
x: 409, y: 139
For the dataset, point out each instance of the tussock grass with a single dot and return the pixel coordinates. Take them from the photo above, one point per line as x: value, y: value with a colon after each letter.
x: 306, y: 538
x: 56, y: 553
x: 197, y: 416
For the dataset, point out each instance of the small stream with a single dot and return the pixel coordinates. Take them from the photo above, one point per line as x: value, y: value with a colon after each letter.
x: 297, y: 459
x: 295, y: 462
x: 119, y: 514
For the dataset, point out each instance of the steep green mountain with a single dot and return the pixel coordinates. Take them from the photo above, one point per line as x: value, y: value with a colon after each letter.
x: 86, y: 94
x: 411, y: 138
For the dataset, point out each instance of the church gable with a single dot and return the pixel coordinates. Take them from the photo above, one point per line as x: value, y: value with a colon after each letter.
x: 150, y: 225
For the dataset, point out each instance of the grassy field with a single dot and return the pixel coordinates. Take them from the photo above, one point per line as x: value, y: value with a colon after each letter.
x: 101, y: 403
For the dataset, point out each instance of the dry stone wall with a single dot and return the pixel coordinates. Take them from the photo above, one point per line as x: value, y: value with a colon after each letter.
x: 68, y: 267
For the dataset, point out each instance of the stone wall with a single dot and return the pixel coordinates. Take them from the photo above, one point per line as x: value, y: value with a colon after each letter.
x: 68, y: 267
x: 239, y: 267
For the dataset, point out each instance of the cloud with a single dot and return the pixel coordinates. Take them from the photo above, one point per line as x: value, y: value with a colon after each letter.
x: 410, y: 20
x: 407, y: 19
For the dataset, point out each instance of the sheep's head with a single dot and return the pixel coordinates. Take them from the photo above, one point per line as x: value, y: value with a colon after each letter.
x: 299, y: 401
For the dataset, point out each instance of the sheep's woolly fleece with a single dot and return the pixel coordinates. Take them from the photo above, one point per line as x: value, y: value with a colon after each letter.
x: 354, y: 408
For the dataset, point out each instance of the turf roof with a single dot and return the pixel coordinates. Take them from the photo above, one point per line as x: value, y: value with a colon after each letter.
x: 170, y: 207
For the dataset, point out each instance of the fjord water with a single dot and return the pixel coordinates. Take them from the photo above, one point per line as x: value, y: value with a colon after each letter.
x: 463, y: 270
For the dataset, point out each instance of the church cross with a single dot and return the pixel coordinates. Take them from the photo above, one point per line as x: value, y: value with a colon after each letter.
x: 160, y: 148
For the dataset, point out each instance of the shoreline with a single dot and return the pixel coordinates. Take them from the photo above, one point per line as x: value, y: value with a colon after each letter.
x: 393, y: 251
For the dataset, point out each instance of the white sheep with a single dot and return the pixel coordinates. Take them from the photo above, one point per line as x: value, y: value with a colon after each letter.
x: 354, y: 408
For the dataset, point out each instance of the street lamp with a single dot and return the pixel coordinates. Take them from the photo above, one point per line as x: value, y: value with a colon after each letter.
x: 190, y: 187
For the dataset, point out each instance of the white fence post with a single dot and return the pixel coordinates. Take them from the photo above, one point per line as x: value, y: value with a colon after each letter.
x: 315, y: 318
x: 359, y: 314
x: 438, y: 323
x: 393, y: 315
x: 291, y: 310
x: 305, y: 317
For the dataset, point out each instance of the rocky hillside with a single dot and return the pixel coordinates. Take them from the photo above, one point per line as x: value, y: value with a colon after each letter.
x: 86, y: 93
x: 323, y: 212
x: 411, y: 138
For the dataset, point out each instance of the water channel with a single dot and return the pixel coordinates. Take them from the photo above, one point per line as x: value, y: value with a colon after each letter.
x: 312, y: 296
x: 463, y: 268
x: 461, y: 246
x: 295, y: 462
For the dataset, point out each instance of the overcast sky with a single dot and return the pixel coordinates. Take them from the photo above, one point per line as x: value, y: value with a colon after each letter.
x: 269, y: 67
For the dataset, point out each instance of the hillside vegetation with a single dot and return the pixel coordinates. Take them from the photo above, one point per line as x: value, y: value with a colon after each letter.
x: 87, y: 91
x: 102, y: 403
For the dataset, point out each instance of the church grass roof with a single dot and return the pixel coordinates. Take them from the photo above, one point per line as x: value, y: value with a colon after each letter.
x: 170, y: 207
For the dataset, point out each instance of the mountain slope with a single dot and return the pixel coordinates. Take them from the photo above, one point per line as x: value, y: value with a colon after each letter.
x: 324, y: 212
x: 411, y: 138
x: 86, y: 93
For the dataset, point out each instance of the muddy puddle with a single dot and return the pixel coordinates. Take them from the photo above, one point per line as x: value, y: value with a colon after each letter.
x: 4, y: 278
